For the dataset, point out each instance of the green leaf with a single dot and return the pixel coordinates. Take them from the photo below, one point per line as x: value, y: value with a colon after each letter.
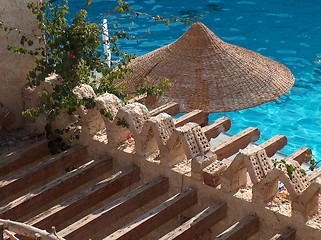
x: 87, y: 3
x: 71, y: 50
x: 32, y: 74
x: 30, y: 42
x: 312, y: 164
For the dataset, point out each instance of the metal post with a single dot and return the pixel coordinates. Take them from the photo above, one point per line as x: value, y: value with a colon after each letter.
x: 106, y: 43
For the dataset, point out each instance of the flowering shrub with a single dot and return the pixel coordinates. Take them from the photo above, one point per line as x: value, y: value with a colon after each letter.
x: 70, y: 49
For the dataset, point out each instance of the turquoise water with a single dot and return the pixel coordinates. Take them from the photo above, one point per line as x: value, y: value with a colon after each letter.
x: 286, y: 31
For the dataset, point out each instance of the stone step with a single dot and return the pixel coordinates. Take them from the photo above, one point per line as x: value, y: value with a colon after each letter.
x: 89, y: 225
x: 156, y: 217
x: 70, y: 208
x: 41, y: 173
x: 34, y: 202
x: 17, y: 160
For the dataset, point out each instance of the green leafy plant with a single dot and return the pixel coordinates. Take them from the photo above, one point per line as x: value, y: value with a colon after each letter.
x: 281, y: 164
x: 290, y: 169
x: 122, y: 123
x: 70, y: 50
x: 312, y: 163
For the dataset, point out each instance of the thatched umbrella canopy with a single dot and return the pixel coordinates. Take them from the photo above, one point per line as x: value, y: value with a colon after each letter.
x: 209, y: 74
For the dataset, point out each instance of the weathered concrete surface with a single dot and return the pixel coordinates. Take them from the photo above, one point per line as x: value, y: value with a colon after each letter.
x: 14, y: 67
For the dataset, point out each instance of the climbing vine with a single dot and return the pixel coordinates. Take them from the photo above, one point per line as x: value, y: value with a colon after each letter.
x: 283, y: 164
x: 290, y: 168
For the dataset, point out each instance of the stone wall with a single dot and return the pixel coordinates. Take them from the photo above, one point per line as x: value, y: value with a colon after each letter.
x: 230, y: 188
x: 179, y: 149
x: 14, y: 67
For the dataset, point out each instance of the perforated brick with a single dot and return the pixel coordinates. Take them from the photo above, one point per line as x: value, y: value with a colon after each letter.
x: 257, y: 163
x: 188, y: 140
x: 201, y: 139
x: 213, y: 172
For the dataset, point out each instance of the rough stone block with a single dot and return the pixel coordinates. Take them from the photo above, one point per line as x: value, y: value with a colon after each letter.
x: 110, y: 103
x: 84, y: 91
x: 135, y: 115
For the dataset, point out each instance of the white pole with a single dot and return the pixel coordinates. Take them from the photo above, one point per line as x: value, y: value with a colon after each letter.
x: 106, y: 43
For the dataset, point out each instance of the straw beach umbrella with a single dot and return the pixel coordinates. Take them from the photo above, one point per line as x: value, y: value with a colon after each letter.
x: 209, y: 74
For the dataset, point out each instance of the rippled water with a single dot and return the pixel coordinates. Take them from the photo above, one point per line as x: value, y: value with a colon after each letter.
x: 286, y: 31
